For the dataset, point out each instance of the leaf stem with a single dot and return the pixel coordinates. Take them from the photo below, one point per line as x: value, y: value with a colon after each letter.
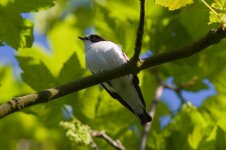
x: 207, y: 5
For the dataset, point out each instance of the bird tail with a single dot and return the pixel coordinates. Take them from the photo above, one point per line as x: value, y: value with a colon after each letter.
x: 144, y: 118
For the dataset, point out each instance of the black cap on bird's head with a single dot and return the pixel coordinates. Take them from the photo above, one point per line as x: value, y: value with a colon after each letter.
x: 93, y: 38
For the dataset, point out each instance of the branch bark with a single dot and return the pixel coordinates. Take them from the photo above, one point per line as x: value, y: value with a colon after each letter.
x: 18, y: 103
x: 115, y: 143
x: 140, y: 32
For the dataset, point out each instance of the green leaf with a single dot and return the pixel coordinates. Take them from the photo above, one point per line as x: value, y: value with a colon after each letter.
x: 219, y: 5
x: 9, y: 83
x: 117, y: 114
x: 36, y: 75
x: 180, y: 134
x: 157, y: 141
x: 131, y: 144
x: 82, y: 13
x: 66, y: 73
x: 220, y: 139
x: 217, y: 13
x: 197, y: 21
x: 215, y: 107
x: 19, y: 6
x: 129, y: 10
x: 196, y: 136
x: 222, y: 123
x: 173, y: 4
x: 219, y: 81
x: 213, y: 18
x: 116, y: 27
x: 148, y: 86
x: 15, y: 31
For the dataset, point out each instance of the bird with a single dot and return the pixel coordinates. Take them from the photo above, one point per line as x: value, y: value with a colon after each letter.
x: 102, y: 55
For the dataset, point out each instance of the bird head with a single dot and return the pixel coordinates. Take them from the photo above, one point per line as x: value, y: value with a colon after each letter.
x: 93, y: 38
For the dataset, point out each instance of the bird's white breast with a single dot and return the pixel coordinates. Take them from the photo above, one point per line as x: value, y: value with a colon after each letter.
x: 103, y: 55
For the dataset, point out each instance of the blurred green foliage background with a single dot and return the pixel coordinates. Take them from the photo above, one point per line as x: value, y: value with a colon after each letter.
x: 62, y: 61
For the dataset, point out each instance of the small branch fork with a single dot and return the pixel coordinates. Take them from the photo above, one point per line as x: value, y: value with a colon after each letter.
x: 115, y: 143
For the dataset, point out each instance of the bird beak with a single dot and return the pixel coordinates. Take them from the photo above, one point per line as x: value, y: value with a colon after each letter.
x: 83, y: 38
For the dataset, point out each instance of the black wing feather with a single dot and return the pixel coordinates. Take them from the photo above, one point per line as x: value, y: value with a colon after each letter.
x: 116, y: 96
x: 136, y: 84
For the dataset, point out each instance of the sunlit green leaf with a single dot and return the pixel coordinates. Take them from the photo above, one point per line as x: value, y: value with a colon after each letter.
x: 133, y: 143
x: 219, y: 80
x: 173, y: 4
x: 20, y: 6
x: 14, y: 30
x: 38, y: 77
x: 9, y: 83
x: 196, y: 136
x: 67, y: 74
x: 116, y: 27
x: 220, y: 139
x: 215, y: 106
x: 111, y: 118
x: 217, y: 12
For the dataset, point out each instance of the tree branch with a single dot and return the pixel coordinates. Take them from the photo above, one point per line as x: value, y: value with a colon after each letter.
x: 116, y: 144
x: 178, y: 88
x: 152, y: 111
x: 140, y: 32
x: 18, y: 103
x: 212, y: 37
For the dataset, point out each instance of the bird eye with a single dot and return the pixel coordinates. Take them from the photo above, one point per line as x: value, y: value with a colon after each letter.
x: 95, y: 38
x: 92, y: 37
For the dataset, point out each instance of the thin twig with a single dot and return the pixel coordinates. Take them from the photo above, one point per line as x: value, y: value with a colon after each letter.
x: 140, y: 32
x: 181, y: 98
x: 18, y: 103
x: 94, y: 145
x: 115, y: 143
x: 152, y: 111
x: 207, y: 5
x: 179, y: 88
x: 176, y: 89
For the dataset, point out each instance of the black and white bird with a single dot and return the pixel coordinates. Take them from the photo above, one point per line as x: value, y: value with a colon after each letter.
x: 104, y: 55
